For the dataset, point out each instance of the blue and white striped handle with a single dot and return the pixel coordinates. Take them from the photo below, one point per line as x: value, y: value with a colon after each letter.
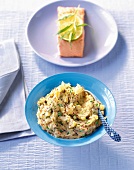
x: 114, y: 135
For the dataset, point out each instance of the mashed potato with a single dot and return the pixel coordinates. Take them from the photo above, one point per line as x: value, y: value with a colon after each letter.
x: 69, y: 112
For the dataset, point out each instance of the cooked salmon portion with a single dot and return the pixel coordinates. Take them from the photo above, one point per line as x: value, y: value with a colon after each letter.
x: 76, y: 48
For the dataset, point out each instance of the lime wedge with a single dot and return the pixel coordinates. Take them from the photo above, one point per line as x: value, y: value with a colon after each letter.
x: 70, y: 27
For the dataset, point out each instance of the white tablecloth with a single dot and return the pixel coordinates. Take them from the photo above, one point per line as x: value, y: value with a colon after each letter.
x: 116, y: 70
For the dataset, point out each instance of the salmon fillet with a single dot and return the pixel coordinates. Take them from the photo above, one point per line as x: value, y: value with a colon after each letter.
x: 77, y: 46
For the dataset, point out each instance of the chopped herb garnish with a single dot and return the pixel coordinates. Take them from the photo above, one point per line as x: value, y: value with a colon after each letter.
x: 60, y: 105
x: 67, y: 133
x: 61, y: 130
x: 97, y: 122
x: 71, y: 89
x: 88, y: 122
x: 59, y: 114
x: 81, y: 130
x: 61, y: 123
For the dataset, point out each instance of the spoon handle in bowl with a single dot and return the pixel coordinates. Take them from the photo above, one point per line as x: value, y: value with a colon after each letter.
x: 114, y: 135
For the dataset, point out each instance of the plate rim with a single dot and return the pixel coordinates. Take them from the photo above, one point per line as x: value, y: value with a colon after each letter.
x: 59, y: 142
x: 65, y: 64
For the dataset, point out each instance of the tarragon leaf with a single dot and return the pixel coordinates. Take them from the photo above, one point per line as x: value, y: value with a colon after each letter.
x: 65, y: 17
x: 70, y: 36
x: 64, y: 29
x: 82, y: 25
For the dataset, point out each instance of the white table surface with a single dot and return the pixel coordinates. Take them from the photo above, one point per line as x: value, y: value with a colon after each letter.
x: 116, y: 70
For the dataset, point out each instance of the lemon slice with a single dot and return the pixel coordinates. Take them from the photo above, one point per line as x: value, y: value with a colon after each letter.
x: 70, y: 27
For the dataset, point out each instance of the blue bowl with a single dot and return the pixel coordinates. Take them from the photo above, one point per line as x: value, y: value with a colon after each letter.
x: 44, y: 87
